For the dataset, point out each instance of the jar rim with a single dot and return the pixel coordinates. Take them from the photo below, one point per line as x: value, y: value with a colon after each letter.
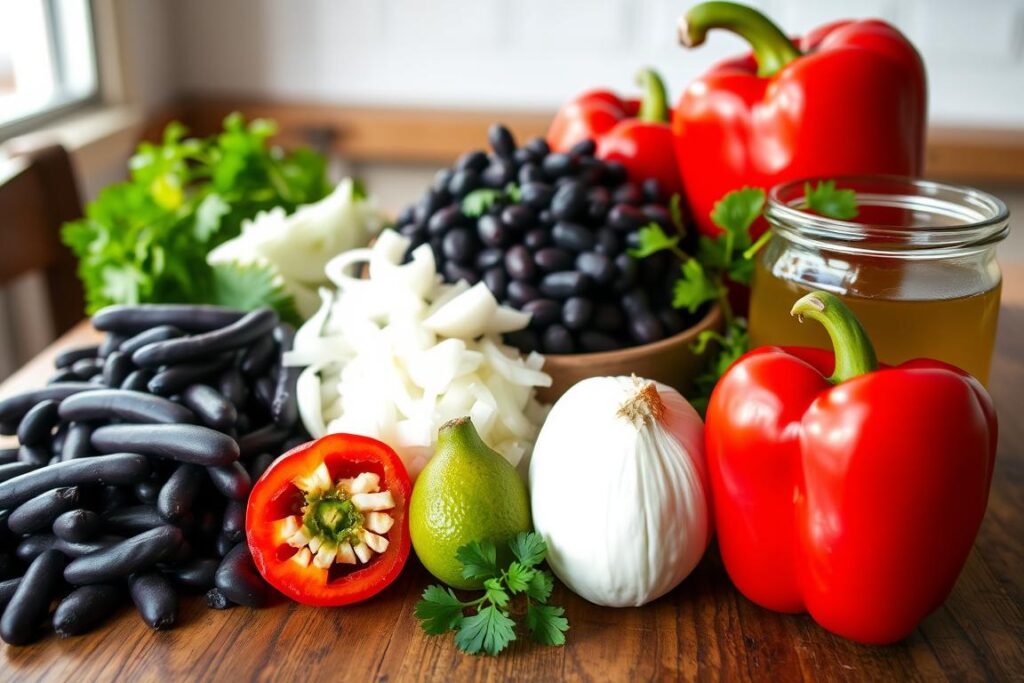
x: 978, y: 218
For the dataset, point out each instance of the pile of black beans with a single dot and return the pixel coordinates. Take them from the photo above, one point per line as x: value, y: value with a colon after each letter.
x: 559, y: 253
x: 134, y: 466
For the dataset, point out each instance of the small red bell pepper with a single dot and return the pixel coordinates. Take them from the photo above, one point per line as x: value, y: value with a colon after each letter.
x: 854, y: 496
x: 634, y: 132
x: 849, y: 98
x: 327, y: 523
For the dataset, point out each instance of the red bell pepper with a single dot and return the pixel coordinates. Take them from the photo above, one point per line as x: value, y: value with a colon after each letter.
x: 327, y: 523
x: 634, y: 132
x: 849, y: 98
x: 854, y: 496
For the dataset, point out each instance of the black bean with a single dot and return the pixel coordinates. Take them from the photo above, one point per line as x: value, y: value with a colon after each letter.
x: 231, y: 480
x: 569, y: 201
x: 146, y: 492
x: 463, y: 182
x: 546, y: 218
x: 238, y: 579
x: 524, y: 340
x: 473, y: 161
x: 530, y: 172
x: 86, y: 607
x: 499, y: 174
x: 259, y: 356
x: 110, y: 344
x: 628, y: 193
x: 559, y: 164
x: 40, y: 511
x: 284, y: 409
x: 137, y: 380
x: 172, y: 379
x: 233, y: 526
x: 572, y: 236
x: 179, y: 491
x: 258, y: 465
x: 233, y: 386
x: 535, y: 239
x: 519, y: 263
x: 16, y: 469
x: 7, y: 590
x: 539, y: 146
x: 522, y: 156
x: 550, y: 259
x: 496, y: 280
x: 520, y: 293
x: 430, y: 202
x: 8, y: 455
x: 558, y: 340
x: 187, y: 317
x: 518, y: 216
x: 458, y: 246
x: 37, y: 456
x: 120, y: 404
x: 116, y: 368
x: 187, y: 443
x: 415, y: 233
x: 658, y: 214
x: 615, y: 173
x: 196, y: 574
x: 76, y: 526
x: 599, y: 200
x: 77, y: 443
x: 671, y: 320
x: 635, y: 302
x: 236, y: 335
x: 131, y: 520
x: 210, y: 406
x: 443, y: 220
x: 215, y: 599
x: 576, y: 312
x: 597, y: 342
x: 646, y: 328
x: 566, y: 283
x: 598, y: 266
x: 65, y: 375
x: 626, y: 218
x: 489, y: 258
x: 33, y: 546
x: 542, y: 312
x: 68, y: 357
x: 627, y: 267
x: 536, y: 195
x: 223, y: 545
x: 501, y: 140
x: 491, y: 231
x: 155, y: 598
x: 583, y: 148
x: 453, y: 272
x: 127, y: 557
x: 149, y: 336
x: 13, y: 408
x: 263, y: 440
x: 440, y: 182
x: 609, y: 318
x: 652, y: 190
x: 113, y: 497
x: 607, y: 242
x: 31, y: 601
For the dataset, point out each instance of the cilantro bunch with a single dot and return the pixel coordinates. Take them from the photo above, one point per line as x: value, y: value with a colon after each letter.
x: 145, y: 240
x: 729, y: 257
x: 489, y: 627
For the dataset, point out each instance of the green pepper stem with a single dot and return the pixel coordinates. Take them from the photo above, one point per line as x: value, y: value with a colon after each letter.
x: 772, y: 49
x: 854, y: 353
x: 654, y: 102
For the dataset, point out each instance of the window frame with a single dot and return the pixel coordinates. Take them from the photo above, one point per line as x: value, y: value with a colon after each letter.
x: 60, y: 108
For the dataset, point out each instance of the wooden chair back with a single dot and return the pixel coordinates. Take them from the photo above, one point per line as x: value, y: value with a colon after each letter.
x: 38, y: 193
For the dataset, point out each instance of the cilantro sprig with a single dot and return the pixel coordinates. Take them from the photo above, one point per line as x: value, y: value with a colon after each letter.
x: 477, y: 202
x: 485, y: 624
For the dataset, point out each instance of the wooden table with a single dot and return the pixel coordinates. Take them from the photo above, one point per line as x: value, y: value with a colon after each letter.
x: 704, y: 629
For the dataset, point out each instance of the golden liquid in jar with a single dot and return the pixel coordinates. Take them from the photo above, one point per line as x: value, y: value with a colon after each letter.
x: 958, y: 330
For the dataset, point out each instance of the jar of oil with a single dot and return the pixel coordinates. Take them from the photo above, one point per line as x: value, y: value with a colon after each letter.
x: 917, y: 266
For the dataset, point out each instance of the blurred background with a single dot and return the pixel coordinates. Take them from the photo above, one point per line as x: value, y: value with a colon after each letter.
x: 393, y: 89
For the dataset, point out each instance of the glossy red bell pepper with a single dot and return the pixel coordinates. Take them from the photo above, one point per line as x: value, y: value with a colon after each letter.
x: 854, y: 496
x: 849, y: 98
x: 634, y: 132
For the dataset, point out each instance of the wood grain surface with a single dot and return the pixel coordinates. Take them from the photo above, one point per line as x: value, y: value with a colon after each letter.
x: 703, y: 630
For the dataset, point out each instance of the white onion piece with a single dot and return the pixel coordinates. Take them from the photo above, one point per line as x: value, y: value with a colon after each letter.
x: 467, y: 316
x: 307, y: 392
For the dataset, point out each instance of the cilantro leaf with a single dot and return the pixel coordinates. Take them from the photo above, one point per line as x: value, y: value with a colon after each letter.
x: 476, y: 203
x: 490, y: 631
x: 529, y: 548
x: 439, y: 610
x: 728, y: 349
x: 208, y: 215
x: 513, y: 193
x: 495, y: 593
x: 675, y: 208
x: 540, y: 586
x: 825, y: 199
x: 652, y: 239
x: 251, y: 287
x: 694, y: 288
x: 547, y: 624
x: 479, y: 560
x: 736, y: 212
x: 518, y: 577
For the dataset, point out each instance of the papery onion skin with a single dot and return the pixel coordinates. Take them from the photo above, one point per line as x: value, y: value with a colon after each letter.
x: 625, y: 510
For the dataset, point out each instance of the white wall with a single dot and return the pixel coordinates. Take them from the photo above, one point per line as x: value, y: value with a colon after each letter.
x: 530, y: 54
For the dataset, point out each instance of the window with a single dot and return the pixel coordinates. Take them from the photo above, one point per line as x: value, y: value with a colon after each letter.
x: 47, y: 59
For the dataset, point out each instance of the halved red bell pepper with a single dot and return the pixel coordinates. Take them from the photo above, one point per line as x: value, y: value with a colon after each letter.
x: 849, y: 98
x: 634, y: 132
x: 327, y: 523
x: 854, y: 496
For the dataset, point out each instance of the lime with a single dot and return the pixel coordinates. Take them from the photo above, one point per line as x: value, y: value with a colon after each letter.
x: 467, y: 492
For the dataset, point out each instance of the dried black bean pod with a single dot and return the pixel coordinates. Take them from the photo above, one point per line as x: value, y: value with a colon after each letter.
x: 232, y: 480
x: 116, y: 368
x: 155, y: 598
x: 77, y: 526
x: 284, y: 408
x: 77, y: 441
x: 150, y: 336
x: 124, y: 405
x: 13, y: 408
x: 137, y: 380
x: 37, y: 456
x: 233, y: 526
x: 236, y: 335
x: 35, y: 429
x: 238, y: 579
x: 85, y: 608
x: 187, y: 317
x: 132, y: 520
x: 31, y: 601
x: 117, y: 468
x: 40, y: 512
x: 179, y: 491
x: 186, y: 443
x: 127, y: 557
x: 212, y: 408
x: 262, y: 440
x: 174, y: 378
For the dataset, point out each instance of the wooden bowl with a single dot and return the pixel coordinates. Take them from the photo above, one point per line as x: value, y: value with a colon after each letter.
x: 670, y: 361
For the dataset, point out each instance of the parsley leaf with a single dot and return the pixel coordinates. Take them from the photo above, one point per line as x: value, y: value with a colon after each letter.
x: 547, y: 624
x: 529, y: 548
x: 728, y: 348
x: 825, y: 199
x: 495, y: 593
x: 652, y: 239
x: 479, y: 560
x: 489, y: 630
x: 250, y: 287
x: 694, y: 288
x: 736, y: 212
x: 540, y: 586
x: 439, y: 610
x: 518, y: 577
x: 513, y: 193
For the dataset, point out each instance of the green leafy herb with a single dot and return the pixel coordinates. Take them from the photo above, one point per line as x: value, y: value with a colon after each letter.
x: 652, y: 239
x: 145, y: 240
x: 488, y: 627
x: 825, y: 199
x: 695, y: 288
x: 728, y: 347
x: 478, y: 202
x: 250, y: 287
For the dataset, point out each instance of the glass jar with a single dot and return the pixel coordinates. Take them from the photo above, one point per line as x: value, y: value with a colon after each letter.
x: 917, y: 265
